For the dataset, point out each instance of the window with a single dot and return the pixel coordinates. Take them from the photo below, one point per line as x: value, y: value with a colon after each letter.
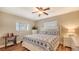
x: 17, y: 27
x: 22, y: 27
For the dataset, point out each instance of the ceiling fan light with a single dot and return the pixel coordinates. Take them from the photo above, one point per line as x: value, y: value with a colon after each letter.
x: 40, y: 12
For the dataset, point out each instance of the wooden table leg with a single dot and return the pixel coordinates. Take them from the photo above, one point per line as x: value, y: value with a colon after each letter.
x: 5, y: 42
x: 14, y: 41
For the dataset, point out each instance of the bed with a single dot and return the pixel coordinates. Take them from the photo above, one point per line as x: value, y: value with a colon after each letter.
x: 43, y: 41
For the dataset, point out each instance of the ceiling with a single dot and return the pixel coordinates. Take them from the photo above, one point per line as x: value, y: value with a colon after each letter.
x: 26, y: 12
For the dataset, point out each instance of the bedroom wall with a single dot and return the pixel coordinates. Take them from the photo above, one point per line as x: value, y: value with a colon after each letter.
x: 65, y: 21
x: 8, y: 24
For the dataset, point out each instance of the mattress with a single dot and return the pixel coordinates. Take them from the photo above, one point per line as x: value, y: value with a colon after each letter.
x: 46, y: 42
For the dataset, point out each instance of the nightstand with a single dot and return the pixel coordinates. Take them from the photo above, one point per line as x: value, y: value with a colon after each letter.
x: 71, y: 41
x: 67, y: 41
x: 10, y: 41
x: 34, y: 31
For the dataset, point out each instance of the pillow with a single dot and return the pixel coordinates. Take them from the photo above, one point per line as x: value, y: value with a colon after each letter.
x: 51, y: 33
x: 42, y: 32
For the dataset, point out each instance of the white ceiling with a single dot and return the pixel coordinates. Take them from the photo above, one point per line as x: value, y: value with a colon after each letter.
x: 26, y: 12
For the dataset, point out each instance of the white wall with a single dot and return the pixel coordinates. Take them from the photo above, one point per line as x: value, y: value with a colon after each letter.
x: 8, y: 24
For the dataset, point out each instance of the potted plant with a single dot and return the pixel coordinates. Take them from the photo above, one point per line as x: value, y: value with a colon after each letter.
x: 34, y: 28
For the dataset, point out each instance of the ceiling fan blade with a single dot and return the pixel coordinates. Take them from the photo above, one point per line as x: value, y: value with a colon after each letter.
x: 38, y: 8
x: 46, y: 9
x: 41, y: 8
x: 35, y: 12
x: 45, y: 13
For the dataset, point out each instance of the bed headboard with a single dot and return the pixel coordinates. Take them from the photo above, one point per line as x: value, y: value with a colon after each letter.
x: 50, y: 28
x: 49, y: 32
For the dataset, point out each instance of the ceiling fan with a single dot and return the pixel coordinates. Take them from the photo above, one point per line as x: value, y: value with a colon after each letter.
x: 41, y: 10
